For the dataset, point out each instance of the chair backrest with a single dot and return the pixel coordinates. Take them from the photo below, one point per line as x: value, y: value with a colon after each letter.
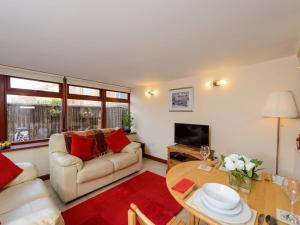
x: 134, y: 214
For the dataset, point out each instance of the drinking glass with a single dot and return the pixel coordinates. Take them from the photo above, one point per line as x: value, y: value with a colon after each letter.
x: 291, y: 188
x: 205, y: 151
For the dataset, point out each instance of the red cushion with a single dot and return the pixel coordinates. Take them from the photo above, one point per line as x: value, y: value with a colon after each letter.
x: 82, y: 147
x: 117, y: 141
x: 8, y: 170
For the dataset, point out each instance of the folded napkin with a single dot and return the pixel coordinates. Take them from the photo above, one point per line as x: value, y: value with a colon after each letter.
x: 285, y: 217
x: 277, y: 179
x: 183, y: 185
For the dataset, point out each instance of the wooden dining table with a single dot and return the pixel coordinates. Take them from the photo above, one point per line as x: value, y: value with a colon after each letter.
x: 264, y: 197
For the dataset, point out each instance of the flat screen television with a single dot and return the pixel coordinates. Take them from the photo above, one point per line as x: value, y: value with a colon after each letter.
x: 192, y: 134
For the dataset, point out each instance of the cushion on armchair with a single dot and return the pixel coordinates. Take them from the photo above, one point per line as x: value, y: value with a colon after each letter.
x: 29, y: 173
x: 8, y: 171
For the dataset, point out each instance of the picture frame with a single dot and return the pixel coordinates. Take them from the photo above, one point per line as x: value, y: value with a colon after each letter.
x: 181, y: 99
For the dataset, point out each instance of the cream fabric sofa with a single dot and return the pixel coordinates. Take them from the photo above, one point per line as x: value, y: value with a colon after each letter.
x: 71, y: 177
x: 25, y: 201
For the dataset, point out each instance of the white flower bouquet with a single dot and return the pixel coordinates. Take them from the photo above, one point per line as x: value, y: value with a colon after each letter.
x: 241, y: 166
x: 242, y: 170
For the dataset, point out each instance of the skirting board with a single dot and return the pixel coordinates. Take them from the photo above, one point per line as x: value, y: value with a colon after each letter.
x: 155, y: 158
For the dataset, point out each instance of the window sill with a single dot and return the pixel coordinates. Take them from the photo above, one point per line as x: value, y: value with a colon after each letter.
x: 26, y: 146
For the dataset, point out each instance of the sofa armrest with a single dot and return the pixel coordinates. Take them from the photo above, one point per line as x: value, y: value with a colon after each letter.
x: 133, y: 147
x: 57, y: 143
x: 29, y: 173
x: 65, y: 160
x: 49, y: 216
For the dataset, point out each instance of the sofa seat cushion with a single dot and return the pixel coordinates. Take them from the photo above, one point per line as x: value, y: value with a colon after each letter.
x: 18, y: 195
x: 94, y: 169
x: 27, y: 209
x: 122, y: 160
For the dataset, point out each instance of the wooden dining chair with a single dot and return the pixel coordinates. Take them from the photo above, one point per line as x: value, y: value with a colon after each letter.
x: 134, y: 214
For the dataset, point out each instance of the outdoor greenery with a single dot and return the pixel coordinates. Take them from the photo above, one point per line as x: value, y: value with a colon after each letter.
x: 127, y: 120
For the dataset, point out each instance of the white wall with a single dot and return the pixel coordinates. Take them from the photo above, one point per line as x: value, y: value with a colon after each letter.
x: 233, y: 112
x: 37, y: 156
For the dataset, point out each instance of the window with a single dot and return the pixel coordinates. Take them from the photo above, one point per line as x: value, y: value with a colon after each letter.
x: 114, y: 94
x: 84, y: 108
x: 35, y: 109
x: 33, y: 85
x: 84, y: 91
x: 117, y: 106
x: 84, y: 114
x: 32, y: 118
x: 114, y: 113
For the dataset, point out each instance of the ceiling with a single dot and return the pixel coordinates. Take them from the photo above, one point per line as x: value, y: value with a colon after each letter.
x: 135, y: 42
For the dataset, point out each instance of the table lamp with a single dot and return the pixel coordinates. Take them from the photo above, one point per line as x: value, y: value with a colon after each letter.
x: 280, y: 104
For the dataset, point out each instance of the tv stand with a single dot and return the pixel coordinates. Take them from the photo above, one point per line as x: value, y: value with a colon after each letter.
x: 182, y: 153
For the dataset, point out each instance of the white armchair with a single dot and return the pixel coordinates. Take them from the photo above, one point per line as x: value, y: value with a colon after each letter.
x: 26, y: 201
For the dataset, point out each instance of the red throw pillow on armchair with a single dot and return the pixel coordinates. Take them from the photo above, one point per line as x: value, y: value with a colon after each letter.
x: 82, y: 147
x: 8, y: 171
x: 117, y: 141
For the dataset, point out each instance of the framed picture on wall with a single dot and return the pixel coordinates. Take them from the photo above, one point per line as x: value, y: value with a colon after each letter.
x: 181, y: 99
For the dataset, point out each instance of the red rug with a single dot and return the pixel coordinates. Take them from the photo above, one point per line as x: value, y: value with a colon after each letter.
x: 147, y: 190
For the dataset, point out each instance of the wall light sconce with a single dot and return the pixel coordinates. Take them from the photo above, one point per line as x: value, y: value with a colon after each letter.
x: 150, y: 92
x: 216, y: 83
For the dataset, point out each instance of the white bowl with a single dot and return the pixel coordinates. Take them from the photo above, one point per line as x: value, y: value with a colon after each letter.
x: 220, y: 196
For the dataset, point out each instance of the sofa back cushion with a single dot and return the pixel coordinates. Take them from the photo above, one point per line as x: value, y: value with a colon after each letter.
x: 8, y: 171
x: 82, y: 147
x: 100, y: 146
x: 117, y: 141
x: 108, y: 131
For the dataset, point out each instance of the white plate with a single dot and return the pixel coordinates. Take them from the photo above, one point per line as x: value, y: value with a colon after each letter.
x: 221, y: 196
x: 199, y: 197
x: 242, y: 217
x: 234, y: 211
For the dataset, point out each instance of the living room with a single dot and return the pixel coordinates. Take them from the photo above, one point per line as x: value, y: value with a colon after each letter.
x: 169, y: 98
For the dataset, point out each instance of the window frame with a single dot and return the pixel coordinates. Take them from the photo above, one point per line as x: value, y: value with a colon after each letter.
x: 121, y: 100
x: 64, y: 94
x: 117, y: 100
x: 83, y: 97
x: 34, y: 93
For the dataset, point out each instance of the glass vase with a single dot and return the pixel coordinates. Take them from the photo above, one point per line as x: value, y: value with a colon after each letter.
x: 240, y: 184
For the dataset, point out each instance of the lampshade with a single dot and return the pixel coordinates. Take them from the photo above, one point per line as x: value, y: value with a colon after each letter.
x: 281, y: 104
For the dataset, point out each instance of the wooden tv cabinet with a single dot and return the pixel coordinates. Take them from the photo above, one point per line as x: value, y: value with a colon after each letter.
x: 185, y: 153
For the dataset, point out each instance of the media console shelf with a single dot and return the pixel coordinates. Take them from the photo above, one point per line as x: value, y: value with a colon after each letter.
x: 182, y: 153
